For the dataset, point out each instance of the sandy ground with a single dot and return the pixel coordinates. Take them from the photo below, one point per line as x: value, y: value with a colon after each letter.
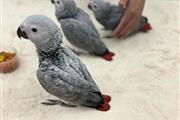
x: 142, y: 79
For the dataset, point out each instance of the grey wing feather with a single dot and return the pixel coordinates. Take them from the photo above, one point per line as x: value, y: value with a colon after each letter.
x: 68, y: 86
x: 114, y: 18
x: 83, y: 36
x: 88, y: 20
x: 80, y: 66
x: 71, y: 78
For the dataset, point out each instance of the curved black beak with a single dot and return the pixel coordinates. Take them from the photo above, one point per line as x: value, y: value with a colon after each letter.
x: 21, y: 33
x: 52, y: 1
x: 89, y: 6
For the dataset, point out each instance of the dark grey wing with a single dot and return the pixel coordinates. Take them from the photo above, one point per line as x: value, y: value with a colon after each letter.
x: 116, y: 10
x: 115, y: 16
x: 68, y: 85
x: 78, y: 65
x: 66, y: 78
x: 83, y: 36
x: 87, y: 19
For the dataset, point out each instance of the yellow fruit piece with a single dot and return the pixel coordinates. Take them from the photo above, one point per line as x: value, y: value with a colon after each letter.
x: 2, y: 58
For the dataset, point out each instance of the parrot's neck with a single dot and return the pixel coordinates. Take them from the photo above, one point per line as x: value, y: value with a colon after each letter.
x: 43, y: 54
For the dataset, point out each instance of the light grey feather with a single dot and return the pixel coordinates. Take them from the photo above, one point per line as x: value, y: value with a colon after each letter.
x: 60, y: 72
x: 68, y: 80
x: 83, y: 36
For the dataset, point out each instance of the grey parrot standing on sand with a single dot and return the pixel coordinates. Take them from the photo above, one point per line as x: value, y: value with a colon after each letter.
x: 60, y: 72
x: 110, y: 15
x: 79, y: 29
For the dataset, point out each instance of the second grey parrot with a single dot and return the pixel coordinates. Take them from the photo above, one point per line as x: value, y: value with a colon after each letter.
x: 110, y: 15
x: 79, y: 29
x: 61, y: 73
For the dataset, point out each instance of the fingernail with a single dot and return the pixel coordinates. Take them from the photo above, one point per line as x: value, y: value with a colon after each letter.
x: 124, y: 6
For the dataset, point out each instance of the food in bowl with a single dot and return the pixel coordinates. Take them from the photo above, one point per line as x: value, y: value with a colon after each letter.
x: 8, y: 60
x: 5, y: 56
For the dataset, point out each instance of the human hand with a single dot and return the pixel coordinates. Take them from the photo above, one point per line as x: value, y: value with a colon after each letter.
x: 133, y: 12
x: 123, y: 3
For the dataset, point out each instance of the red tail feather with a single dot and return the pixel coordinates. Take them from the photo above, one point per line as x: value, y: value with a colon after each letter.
x: 146, y: 27
x: 108, y: 56
x: 106, y: 98
x: 104, y: 107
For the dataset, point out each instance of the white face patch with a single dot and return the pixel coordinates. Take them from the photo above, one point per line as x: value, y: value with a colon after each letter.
x: 42, y: 31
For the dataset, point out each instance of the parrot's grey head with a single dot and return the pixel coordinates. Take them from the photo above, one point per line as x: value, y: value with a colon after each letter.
x: 42, y: 31
x: 65, y: 8
x: 99, y: 7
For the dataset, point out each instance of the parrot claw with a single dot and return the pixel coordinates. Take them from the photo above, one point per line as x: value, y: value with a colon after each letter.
x: 53, y: 101
x: 67, y: 105
x: 57, y: 102
x: 108, y: 36
x: 48, y: 103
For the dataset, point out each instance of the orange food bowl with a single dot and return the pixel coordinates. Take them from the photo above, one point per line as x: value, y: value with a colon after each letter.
x: 8, y: 59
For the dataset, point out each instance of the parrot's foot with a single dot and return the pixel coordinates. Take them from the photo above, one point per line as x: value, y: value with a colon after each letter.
x: 57, y: 102
x: 104, y: 107
x: 108, y: 36
x: 146, y: 27
x: 108, y: 55
x: 106, y: 98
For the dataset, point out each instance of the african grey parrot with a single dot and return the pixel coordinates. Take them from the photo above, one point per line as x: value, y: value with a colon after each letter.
x: 60, y: 72
x: 79, y: 29
x: 110, y: 15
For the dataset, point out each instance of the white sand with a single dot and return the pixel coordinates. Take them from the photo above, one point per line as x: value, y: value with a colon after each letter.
x: 142, y: 79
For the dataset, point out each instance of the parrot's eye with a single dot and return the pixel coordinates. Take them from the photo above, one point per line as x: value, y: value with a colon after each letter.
x: 34, y: 29
x: 57, y: 2
x: 95, y: 5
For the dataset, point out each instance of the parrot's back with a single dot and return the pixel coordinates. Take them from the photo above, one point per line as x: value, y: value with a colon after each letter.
x: 85, y: 17
x: 111, y: 19
x: 81, y: 32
